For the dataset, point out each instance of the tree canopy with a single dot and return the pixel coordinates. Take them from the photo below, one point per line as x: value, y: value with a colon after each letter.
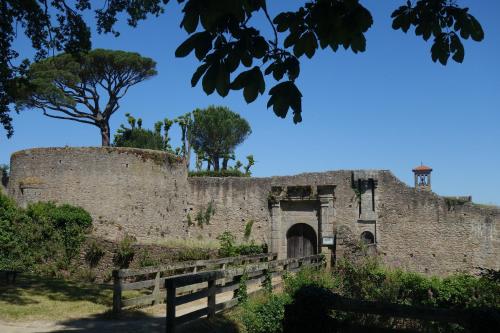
x: 226, y: 41
x: 137, y: 137
x: 85, y: 88
x: 216, y: 131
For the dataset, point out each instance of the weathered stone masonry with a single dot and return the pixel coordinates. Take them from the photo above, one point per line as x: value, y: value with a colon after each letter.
x: 148, y: 194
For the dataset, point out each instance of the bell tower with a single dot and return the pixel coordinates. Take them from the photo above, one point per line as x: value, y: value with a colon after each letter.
x: 422, y: 177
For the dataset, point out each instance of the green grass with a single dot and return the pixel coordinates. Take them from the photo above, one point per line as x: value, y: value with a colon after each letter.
x: 186, y: 243
x: 34, y: 298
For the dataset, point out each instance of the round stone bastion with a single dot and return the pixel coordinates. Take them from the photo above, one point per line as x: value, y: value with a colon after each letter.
x: 126, y: 190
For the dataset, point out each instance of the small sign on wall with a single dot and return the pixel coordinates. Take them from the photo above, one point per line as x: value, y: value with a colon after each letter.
x: 327, y: 240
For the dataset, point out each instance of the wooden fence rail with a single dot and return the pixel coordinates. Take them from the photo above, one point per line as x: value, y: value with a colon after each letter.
x: 154, y: 277
x: 186, y: 288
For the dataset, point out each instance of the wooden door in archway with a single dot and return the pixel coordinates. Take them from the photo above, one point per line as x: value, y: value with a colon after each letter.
x: 301, y: 241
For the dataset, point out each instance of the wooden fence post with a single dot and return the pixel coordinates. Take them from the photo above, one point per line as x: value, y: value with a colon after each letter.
x: 211, y: 297
x: 170, y: 324
x: 117, y: 293
x: 156, y: 290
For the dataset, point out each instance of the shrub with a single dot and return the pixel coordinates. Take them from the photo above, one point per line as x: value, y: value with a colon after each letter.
x: 249, y: 249
x: 367, y: 279
x: 66, y: 224
x: 308, y: 276
x: 94, y: 253
x: 13, y: 245
x: 124, y: 253
x: 265, y: 316
x: 42, y: 238
x: 227, y: 244
x: 145, y: 259
x: 311, y: 291
x: 138, y: 137
x: 228, y: 247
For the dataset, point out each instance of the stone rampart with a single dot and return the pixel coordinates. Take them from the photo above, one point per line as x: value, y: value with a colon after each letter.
x: 147, y: 194
x: 126, y: 190
x: 422, y: 231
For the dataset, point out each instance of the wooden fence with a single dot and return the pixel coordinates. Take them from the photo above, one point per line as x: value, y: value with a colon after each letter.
x: 482, y: 320
x: 154, y: 277
x: 186, y: 288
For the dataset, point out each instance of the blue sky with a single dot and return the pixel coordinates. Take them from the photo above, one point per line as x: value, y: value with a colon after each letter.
x: 389, y: 108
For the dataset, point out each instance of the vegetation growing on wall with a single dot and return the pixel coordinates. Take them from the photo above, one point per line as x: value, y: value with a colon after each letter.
x: 248, y: 229
x: 203, y: 216
x: 452, y: 202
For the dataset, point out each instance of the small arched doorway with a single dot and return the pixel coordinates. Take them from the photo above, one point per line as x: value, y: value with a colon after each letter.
x: 367, y: 238
x: 301, y: 241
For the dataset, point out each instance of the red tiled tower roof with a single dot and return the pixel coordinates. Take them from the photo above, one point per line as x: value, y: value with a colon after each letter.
x: 422, y: 168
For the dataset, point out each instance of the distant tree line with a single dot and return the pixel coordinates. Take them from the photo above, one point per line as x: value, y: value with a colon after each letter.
x: 212, y: 134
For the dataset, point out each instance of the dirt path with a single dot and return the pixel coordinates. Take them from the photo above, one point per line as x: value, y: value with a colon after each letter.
x: 151, y: 319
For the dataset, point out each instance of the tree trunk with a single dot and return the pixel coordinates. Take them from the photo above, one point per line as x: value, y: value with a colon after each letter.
x: 225, y: 160
x: 105, y: 134
x: 188, y: 154
x: 215, y: 161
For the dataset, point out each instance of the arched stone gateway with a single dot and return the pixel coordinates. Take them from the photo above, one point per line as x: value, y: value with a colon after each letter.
x: 301, y: 241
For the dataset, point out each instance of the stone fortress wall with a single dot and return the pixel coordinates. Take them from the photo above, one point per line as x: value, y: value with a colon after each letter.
x: 139, y: 192
x: 148, y: 194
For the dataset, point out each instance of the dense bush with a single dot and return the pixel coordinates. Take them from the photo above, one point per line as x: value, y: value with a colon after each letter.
x: 64, y: 225
x: 368, y: 279
x: 138, y: 137
x: 265, y: 316
x: 308, y: 276
x: 43, y: 238
x: 310, y: 290
x: 13, y: 245
x: 229, y: 248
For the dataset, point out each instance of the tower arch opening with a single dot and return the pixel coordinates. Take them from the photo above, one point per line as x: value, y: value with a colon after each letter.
x: 367, y: 238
